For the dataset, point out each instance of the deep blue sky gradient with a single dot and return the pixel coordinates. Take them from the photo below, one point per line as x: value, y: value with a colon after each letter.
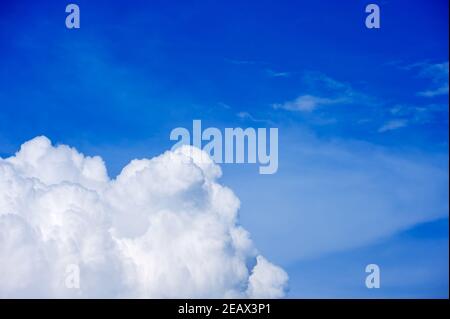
x: 135, y: 70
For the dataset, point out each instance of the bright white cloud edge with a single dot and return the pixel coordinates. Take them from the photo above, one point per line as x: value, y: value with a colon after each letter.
x: 164, y: 228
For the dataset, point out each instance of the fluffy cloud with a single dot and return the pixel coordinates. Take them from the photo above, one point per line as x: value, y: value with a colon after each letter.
x: 163, y: 228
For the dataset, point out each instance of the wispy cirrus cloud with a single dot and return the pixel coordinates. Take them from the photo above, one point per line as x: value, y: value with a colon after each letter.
x: 278, y: 74
x: 392, y: 125
x: 379, y: 114
x: 307, y: 103
x: 402, y: 115
x: 437, y: 73
x: 323, y: 90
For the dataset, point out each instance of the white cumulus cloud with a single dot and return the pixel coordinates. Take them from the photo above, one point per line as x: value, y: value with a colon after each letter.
x: 163, y: 228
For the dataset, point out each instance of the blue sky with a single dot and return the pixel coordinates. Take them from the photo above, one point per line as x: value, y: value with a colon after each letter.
x: 362, y: 116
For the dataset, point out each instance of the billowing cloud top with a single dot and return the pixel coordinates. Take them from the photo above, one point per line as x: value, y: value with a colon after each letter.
x: 163, y: 228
